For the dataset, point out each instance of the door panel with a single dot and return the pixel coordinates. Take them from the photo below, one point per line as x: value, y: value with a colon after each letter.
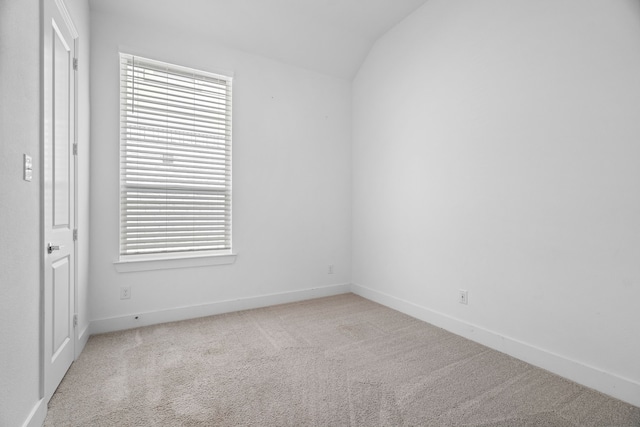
x: 61, y: 327
x: 58, y: 196
x: 61, y: 59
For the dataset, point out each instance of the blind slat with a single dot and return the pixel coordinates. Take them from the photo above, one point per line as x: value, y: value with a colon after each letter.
x: 163, y: 126
x: 178, y: 247
x: 195, y: 149
x: 186, y: 237
x: 191, y: 114
x: 180, y: 103
x: 176, y: 160
x: 141, y: 84
x: 170, y: 173
x: 130, y: 63
x: 143, y: 230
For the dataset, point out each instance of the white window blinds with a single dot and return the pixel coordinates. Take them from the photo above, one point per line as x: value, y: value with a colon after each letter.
x: 175, y: 159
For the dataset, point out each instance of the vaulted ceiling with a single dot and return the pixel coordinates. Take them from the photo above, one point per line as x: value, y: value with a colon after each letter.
x: 329, y: 36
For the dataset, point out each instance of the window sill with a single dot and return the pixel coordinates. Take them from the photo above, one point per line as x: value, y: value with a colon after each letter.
x: 165, y: 263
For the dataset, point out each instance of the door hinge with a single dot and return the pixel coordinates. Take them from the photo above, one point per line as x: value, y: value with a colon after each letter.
x: 75, y: 320
x: 75, y: 148
x: 75, y: 234
x: 75, y: 64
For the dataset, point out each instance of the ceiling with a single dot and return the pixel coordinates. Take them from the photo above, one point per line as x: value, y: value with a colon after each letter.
x: 329, y: 36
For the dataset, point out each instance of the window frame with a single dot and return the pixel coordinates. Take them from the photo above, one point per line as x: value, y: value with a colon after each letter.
x: 162, y: 259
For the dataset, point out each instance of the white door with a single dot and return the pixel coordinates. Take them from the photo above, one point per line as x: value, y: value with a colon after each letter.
x: 59, y: 195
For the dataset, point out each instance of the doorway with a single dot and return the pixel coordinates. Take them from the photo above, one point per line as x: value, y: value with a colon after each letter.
x: 59, y: 39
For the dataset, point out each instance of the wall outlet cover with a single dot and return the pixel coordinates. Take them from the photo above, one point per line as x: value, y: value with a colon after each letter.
x: 125, y: 292
x: 463, y: 297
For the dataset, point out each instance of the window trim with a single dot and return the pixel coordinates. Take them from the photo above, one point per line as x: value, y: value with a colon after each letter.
x: 133, y: 263
x: 177, y: 259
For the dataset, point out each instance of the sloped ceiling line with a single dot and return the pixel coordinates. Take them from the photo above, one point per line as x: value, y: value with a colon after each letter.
x: 328, y: 36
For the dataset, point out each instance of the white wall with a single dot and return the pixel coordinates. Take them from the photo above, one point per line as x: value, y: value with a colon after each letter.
x: 496, y: 149
x: 19, y: 211
x: 20, y: 244
x: 291, y: 174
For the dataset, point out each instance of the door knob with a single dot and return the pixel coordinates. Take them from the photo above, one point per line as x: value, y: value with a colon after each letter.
x: 51, y: 248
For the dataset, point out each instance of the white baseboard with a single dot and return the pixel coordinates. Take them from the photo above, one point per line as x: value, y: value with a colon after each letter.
x: 37, y: 415
x: 589, y: 376
x: 191, y: 312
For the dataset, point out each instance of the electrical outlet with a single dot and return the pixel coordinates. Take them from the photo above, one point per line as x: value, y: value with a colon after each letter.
x: 330, y: 271
x: 125, y: 292
x: 463, y: 297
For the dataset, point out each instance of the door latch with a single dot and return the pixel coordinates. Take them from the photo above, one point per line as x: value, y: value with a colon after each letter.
x: 51, y: 248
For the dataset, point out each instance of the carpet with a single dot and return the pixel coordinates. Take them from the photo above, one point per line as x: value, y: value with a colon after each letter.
x: 335, y: 361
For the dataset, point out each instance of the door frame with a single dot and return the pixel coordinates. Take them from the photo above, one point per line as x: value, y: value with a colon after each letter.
x: 61, y: 6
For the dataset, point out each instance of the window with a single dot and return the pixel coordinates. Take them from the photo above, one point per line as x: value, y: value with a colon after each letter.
x: 175, y: 160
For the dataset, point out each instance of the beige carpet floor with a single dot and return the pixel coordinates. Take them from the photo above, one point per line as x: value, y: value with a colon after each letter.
x: 336, y: 361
